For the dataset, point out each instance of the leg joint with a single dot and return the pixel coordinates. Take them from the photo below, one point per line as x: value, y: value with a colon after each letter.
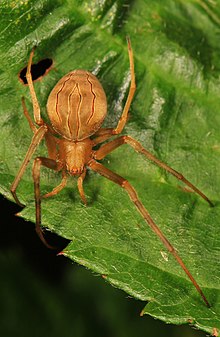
x: 131, y: 191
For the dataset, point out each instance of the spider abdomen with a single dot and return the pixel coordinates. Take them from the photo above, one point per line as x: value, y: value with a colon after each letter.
x: 77, y: 105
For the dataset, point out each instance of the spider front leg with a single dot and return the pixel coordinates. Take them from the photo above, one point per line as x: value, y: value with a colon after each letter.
x: 58, y: 188
x: 97, y: 167
x: 103, y: 134
x: 36, y: 107
x: 37, y: 138
x: 112, y: 145
x: 27, y: 115
x: 39, y: 134
x: 80, y: 186
x: 124, y: 116
x: 49, y: 163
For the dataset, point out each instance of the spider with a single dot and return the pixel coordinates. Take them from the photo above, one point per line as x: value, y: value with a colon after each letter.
x: 76, y: 108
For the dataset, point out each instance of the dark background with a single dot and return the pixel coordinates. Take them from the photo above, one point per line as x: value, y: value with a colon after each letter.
x: 43, y: 294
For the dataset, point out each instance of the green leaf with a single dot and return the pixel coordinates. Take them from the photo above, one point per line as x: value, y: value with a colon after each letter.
x: 175, y: 115
x: 28, y: 293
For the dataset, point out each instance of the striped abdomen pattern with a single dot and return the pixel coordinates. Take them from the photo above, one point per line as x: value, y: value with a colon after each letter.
x: 77, y: 105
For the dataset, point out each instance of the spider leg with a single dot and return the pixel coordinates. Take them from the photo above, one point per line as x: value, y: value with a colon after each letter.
x: 36, y: 107
x: 30, y: 122
x: 112, y: 145
x: 37, y: 138
x: 51, y: 141
x: 102, y: 134
x: 105, y: 133
x: 26, y: 113
x: 52, y: 144
x: 123, y: 119
x: 50, y: 163
x: 97, y: 167
x: 80, y: 186
x: 58, y: 188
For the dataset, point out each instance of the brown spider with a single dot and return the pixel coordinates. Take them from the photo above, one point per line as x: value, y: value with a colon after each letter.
x: 76, y: 108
